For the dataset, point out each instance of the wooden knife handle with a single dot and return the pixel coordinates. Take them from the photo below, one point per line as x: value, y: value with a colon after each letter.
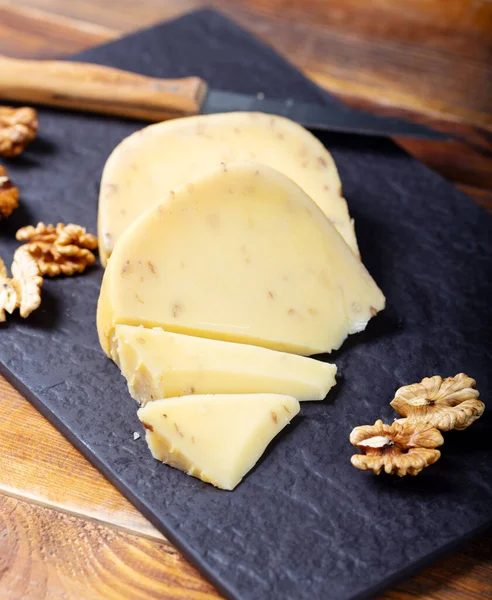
x: 95, y: 88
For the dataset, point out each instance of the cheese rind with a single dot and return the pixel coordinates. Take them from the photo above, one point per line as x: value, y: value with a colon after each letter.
x: 150, y: 163
x: 216, y: 438
x: 159, y: 364
x: 241, y: 254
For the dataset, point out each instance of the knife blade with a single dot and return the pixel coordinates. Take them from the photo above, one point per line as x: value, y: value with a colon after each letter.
x: 101, y: 89
x: 317, y: 116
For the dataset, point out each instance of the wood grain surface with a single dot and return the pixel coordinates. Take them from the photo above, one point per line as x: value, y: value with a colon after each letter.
x: 65, y: 532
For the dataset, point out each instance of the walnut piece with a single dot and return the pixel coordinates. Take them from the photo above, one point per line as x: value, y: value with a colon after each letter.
x: 28, y: 281
x: 59, y: 250
x: 8, y: 293
x: 23, y: 289
x: 18, y: 127
x: 447, y: 404
x: 401, y: 448
x: 9, y: 195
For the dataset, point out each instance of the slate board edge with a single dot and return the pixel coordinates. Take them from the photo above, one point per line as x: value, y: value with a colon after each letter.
x: 193, y: 557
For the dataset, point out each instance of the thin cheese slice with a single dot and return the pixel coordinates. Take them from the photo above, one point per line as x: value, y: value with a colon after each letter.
x: 216, y: 438
x: 242, y: 254
x: 159, y: 364
x: 144, y: 167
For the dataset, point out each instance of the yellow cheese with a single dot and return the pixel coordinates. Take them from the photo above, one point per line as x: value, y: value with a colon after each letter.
x: 144, y: 167
x: 216, y: 438
x: 241, y: 254
x: 159, y: 364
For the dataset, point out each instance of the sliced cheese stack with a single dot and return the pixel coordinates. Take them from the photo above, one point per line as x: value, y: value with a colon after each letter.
x: 147, y: 165
x: 241, y: 254
x: 159, y: 364
x: 215, y: 438
x: 206, y: 291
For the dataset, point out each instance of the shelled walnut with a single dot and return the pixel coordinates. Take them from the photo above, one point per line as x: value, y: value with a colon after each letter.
x: 23, y: 289
x: 450, y: 403
x: 9, y: 195
x: 400, y: 448
x: 59, y: 250
x: 18, y: 127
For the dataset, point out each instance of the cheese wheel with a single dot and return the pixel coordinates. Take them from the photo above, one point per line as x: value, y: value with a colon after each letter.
x: 241, y: 254
x: 147, y: 165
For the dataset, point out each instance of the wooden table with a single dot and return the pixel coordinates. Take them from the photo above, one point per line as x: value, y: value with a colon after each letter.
x: 427, y: 59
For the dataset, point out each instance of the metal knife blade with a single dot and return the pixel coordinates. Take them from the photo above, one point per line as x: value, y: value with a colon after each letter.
x: 317, y: 116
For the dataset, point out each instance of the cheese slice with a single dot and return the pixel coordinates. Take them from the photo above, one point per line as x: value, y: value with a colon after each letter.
x: 144, y: 167
x: 241, y: 254
x: 216, y: 438
x: 159, y: 364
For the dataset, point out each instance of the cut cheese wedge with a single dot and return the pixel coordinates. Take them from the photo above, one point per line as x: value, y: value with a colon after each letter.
x: 158, y: 364
x: 241, y: 254
x: 216, y: 438
x: 147, y: 165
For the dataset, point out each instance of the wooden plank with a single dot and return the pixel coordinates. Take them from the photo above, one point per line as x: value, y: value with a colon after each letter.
x: 480, y: 196
x: 39, y: 465
x: 420, y: 54
x: 456, y: 161
x: 48, y: 554
x: 470, y: 169
x: 28, y: 33
x: 467, y: 575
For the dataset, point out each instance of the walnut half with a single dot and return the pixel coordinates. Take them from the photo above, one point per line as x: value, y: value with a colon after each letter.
x: 450, y: 403
x: 59, y: 250
x: 18, y: 127
x: 401, y: 448
x: 23, y: 289
x: 9, y: 195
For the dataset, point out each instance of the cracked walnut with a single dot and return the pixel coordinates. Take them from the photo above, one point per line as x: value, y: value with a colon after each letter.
x: 59, y: 250
x: 23, y: 289
x: 400, y: 449
x: 9, y: 195
x: 450, y: 403
x: 18, y: 127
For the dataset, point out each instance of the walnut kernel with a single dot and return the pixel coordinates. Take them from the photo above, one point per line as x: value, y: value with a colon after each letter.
x: 25, y: 273
x: 450, y: 403
x: 8, y: 293
x: 9, y: 195
x: 18, y: 127
x: 23, y: 289
x: 61, y: 249
x: 400, y: 449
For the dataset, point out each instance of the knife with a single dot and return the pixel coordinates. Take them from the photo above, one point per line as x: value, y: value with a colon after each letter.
x: 101, y: 89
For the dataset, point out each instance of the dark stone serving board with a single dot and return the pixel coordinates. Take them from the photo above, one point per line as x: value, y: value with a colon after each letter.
x: 305, y: 523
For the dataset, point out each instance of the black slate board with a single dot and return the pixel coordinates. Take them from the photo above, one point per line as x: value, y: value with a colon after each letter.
x: 304, y: 524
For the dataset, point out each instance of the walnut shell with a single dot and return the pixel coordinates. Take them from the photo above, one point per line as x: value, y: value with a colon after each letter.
x: 447, y: 404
